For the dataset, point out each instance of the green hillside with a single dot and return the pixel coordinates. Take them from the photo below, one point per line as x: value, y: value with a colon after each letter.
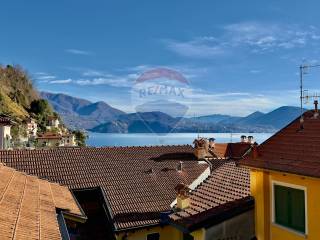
x: 16, y: 92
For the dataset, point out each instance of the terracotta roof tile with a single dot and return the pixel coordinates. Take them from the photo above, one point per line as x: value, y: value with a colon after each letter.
x: 292, y: 149
x: 5, y: 120
x: 227, y: 184
x: 231, y: 150
x: 27, y: 208
x: 138, y: 182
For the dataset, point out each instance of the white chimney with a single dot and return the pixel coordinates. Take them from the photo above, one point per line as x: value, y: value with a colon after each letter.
x: 251, y: 139
x: 243, y: 138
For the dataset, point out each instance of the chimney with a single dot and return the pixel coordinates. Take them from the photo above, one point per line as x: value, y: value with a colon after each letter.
x: 316, y: 113
x: 211, y: 142
x: 250, y: 139
x: 183, y: 200
x: 243, y: 138
x: 201, y: 148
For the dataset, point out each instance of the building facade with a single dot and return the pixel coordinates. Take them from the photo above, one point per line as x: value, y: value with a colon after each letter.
x: 5, y: 132
x: 285, y: 181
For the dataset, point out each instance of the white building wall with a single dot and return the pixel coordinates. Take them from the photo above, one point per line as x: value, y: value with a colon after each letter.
x: 5, y: 132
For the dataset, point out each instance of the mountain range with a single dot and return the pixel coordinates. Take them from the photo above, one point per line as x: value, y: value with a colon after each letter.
x: 101, y: 117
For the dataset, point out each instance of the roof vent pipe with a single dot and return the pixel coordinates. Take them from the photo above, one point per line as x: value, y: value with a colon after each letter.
x: 180, y: 166
x: 316, y: 113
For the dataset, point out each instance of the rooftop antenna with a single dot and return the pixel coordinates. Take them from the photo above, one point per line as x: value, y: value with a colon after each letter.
x: 231, y: 136
x: 304, y: 95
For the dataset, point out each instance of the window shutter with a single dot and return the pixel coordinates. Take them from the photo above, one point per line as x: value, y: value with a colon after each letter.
x: 297, y: 209
x: 281, y: 205
x: 289, y: 204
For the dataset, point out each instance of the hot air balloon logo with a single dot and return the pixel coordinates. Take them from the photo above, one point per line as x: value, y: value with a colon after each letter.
x: 159, y: 97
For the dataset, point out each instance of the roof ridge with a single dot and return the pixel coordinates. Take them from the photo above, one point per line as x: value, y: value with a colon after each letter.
x: 92, y: 147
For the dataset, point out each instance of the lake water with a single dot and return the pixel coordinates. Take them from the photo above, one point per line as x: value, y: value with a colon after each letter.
x: 147, y: 139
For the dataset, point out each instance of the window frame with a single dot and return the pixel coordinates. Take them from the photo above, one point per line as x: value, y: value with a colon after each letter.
x: 152, y: 233
x: 273, y: 213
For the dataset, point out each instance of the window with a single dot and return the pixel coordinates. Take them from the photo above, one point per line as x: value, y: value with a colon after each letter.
x: 289, y: 207
x: 153, y: 236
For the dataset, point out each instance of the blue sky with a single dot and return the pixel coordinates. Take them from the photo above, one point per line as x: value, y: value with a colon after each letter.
x: 239, y: 56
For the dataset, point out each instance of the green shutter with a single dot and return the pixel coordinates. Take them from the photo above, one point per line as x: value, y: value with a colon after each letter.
x: 289, y: 207
x: 281, y: 207
x: 297, y: 209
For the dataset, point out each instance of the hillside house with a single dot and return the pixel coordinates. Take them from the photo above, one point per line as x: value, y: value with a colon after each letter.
x: 53, y: 122
x: 130, y: 192
x: 32, y: 128
x: 285, y: 181
x: 68, y: 140
x: 5, y: 132
x: 49, y: 139
x: 32, y: 208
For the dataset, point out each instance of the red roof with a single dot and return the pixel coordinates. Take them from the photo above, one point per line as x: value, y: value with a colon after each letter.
x: 5, y: 120
x: 293, y: 149
x: 227, y: 187
x: 138, y: 182
x: 231, y: 150
x: 49, y: 136
x: 224, y: 193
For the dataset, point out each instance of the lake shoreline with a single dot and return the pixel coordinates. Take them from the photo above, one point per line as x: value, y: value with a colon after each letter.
x: 150, y: 139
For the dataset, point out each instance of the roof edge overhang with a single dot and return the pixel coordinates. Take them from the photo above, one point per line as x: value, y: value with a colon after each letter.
x: 74, y: 217
x: 278, y: 171
x: 218, y: 214
x: 121, y: 230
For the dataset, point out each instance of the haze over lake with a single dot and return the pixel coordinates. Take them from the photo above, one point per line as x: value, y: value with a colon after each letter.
x: 147, y: 139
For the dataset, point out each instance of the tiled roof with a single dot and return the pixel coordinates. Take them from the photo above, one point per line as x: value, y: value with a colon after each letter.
x: 227, y: 187
x: 231, y: 150
x: 292, y: 149
x: 5, y: 120
x: 28, y: 206
x: 49, y: 135
x: 138, y: 182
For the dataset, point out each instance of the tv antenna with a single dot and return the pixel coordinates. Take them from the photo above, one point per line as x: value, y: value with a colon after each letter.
x: 304, y: 95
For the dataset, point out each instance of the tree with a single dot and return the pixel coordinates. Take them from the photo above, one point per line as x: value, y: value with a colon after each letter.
x: 40, y: 106
x: 80, y: 137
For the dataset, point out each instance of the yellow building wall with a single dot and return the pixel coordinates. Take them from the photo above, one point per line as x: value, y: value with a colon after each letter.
x: 199, y: 234
x: 166, y: 233
x: 261, y: 189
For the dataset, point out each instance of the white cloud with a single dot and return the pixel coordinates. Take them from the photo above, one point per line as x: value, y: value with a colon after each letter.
x: 254, y: 37
x: 195, y: 48
x: 46, y: 77
x: 78, y: 51
x: 62, y: 81
x: 115, y: 82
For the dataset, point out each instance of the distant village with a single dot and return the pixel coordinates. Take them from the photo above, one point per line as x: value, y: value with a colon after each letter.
x: 56, y: 135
